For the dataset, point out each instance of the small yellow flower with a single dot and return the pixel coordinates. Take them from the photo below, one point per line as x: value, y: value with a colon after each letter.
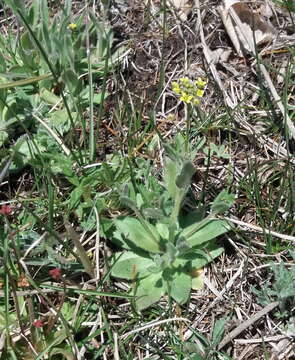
x: 201, y: 83
x: 185, y: 81
x: 176, y: 88
x: 196, y: 102
x: 186, y: 98
x: 72, y: 26
x: 200, y: 92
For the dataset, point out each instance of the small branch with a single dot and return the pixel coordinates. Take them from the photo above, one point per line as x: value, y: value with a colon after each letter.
x: 260, y: 229
x: 237, y: 331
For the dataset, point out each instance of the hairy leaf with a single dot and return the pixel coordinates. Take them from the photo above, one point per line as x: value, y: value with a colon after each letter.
x: 128, y: 265
x: 149, y: 291
x: 146, y: 238
x: 181, y: 287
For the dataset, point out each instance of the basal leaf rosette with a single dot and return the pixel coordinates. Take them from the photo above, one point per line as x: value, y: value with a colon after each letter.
x: 155, y: 273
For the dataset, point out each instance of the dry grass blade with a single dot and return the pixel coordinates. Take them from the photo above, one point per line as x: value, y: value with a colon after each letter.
x: 153, y: 324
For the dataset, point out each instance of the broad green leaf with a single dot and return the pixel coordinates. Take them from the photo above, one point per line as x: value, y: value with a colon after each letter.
x: 222, y: 202
x: 163, y: 230
x: 183, y: 180
x: 44, y: 12
x: 182, y: 245
x: 170, y: 176
x: 26, y: 42
x: 59, y: 337
x: 204, y: 257
x: 118, y: 55
x: 195, y: 350
x: 145, y: 237
x: 12, y: 317
x: 218, y: 331
x: 28, y: 150
x: 97, y: 98
x: 59, y: 120
x: 205, y: 230
x: 153, y: 213
x: 181, y: 287
x: 33, y: 14
x: 49, y: 97
x: 149, y: 291
x: 127, y: 201
x: 128, y: 265
x: 193, y: 217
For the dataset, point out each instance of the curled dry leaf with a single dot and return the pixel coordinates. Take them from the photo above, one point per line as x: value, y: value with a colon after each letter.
x: 245, y: 27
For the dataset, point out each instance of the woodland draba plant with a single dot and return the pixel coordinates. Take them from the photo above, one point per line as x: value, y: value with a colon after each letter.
x: 164, y: 246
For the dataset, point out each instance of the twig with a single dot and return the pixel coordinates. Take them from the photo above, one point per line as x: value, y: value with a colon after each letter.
x: 260, y: 229
x: 237, y: 331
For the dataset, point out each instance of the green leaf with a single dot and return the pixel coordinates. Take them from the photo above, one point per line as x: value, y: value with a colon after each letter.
x: 153, y: 213
x: 127, y: 265
x: 170, y: 177
x: 195, y: 216
x: 28, y: 150
x: 198, y: 233
x: 218, y: 331
x: 127, y: 201
x: 182, y: 245
x: 75, y: 197
x: 60, y: 121
x: 97, y: 98
x: 194, y: 350
x: 183, y: 180
x: 72, y: 81
x: 163, y: 230
x: 26, y: 42
x: 2, y: 64
x: 181, y: 287
x: 222, y: 202
x: 3, y: 136
x: 149, y: 291
x: 44, y: 12
x: 204, y: 257
x: 137, y: 234
x: 60, y: 351
x: 49, y: 97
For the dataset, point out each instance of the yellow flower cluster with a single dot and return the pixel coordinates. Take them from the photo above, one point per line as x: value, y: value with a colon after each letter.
x: 189, y: 91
